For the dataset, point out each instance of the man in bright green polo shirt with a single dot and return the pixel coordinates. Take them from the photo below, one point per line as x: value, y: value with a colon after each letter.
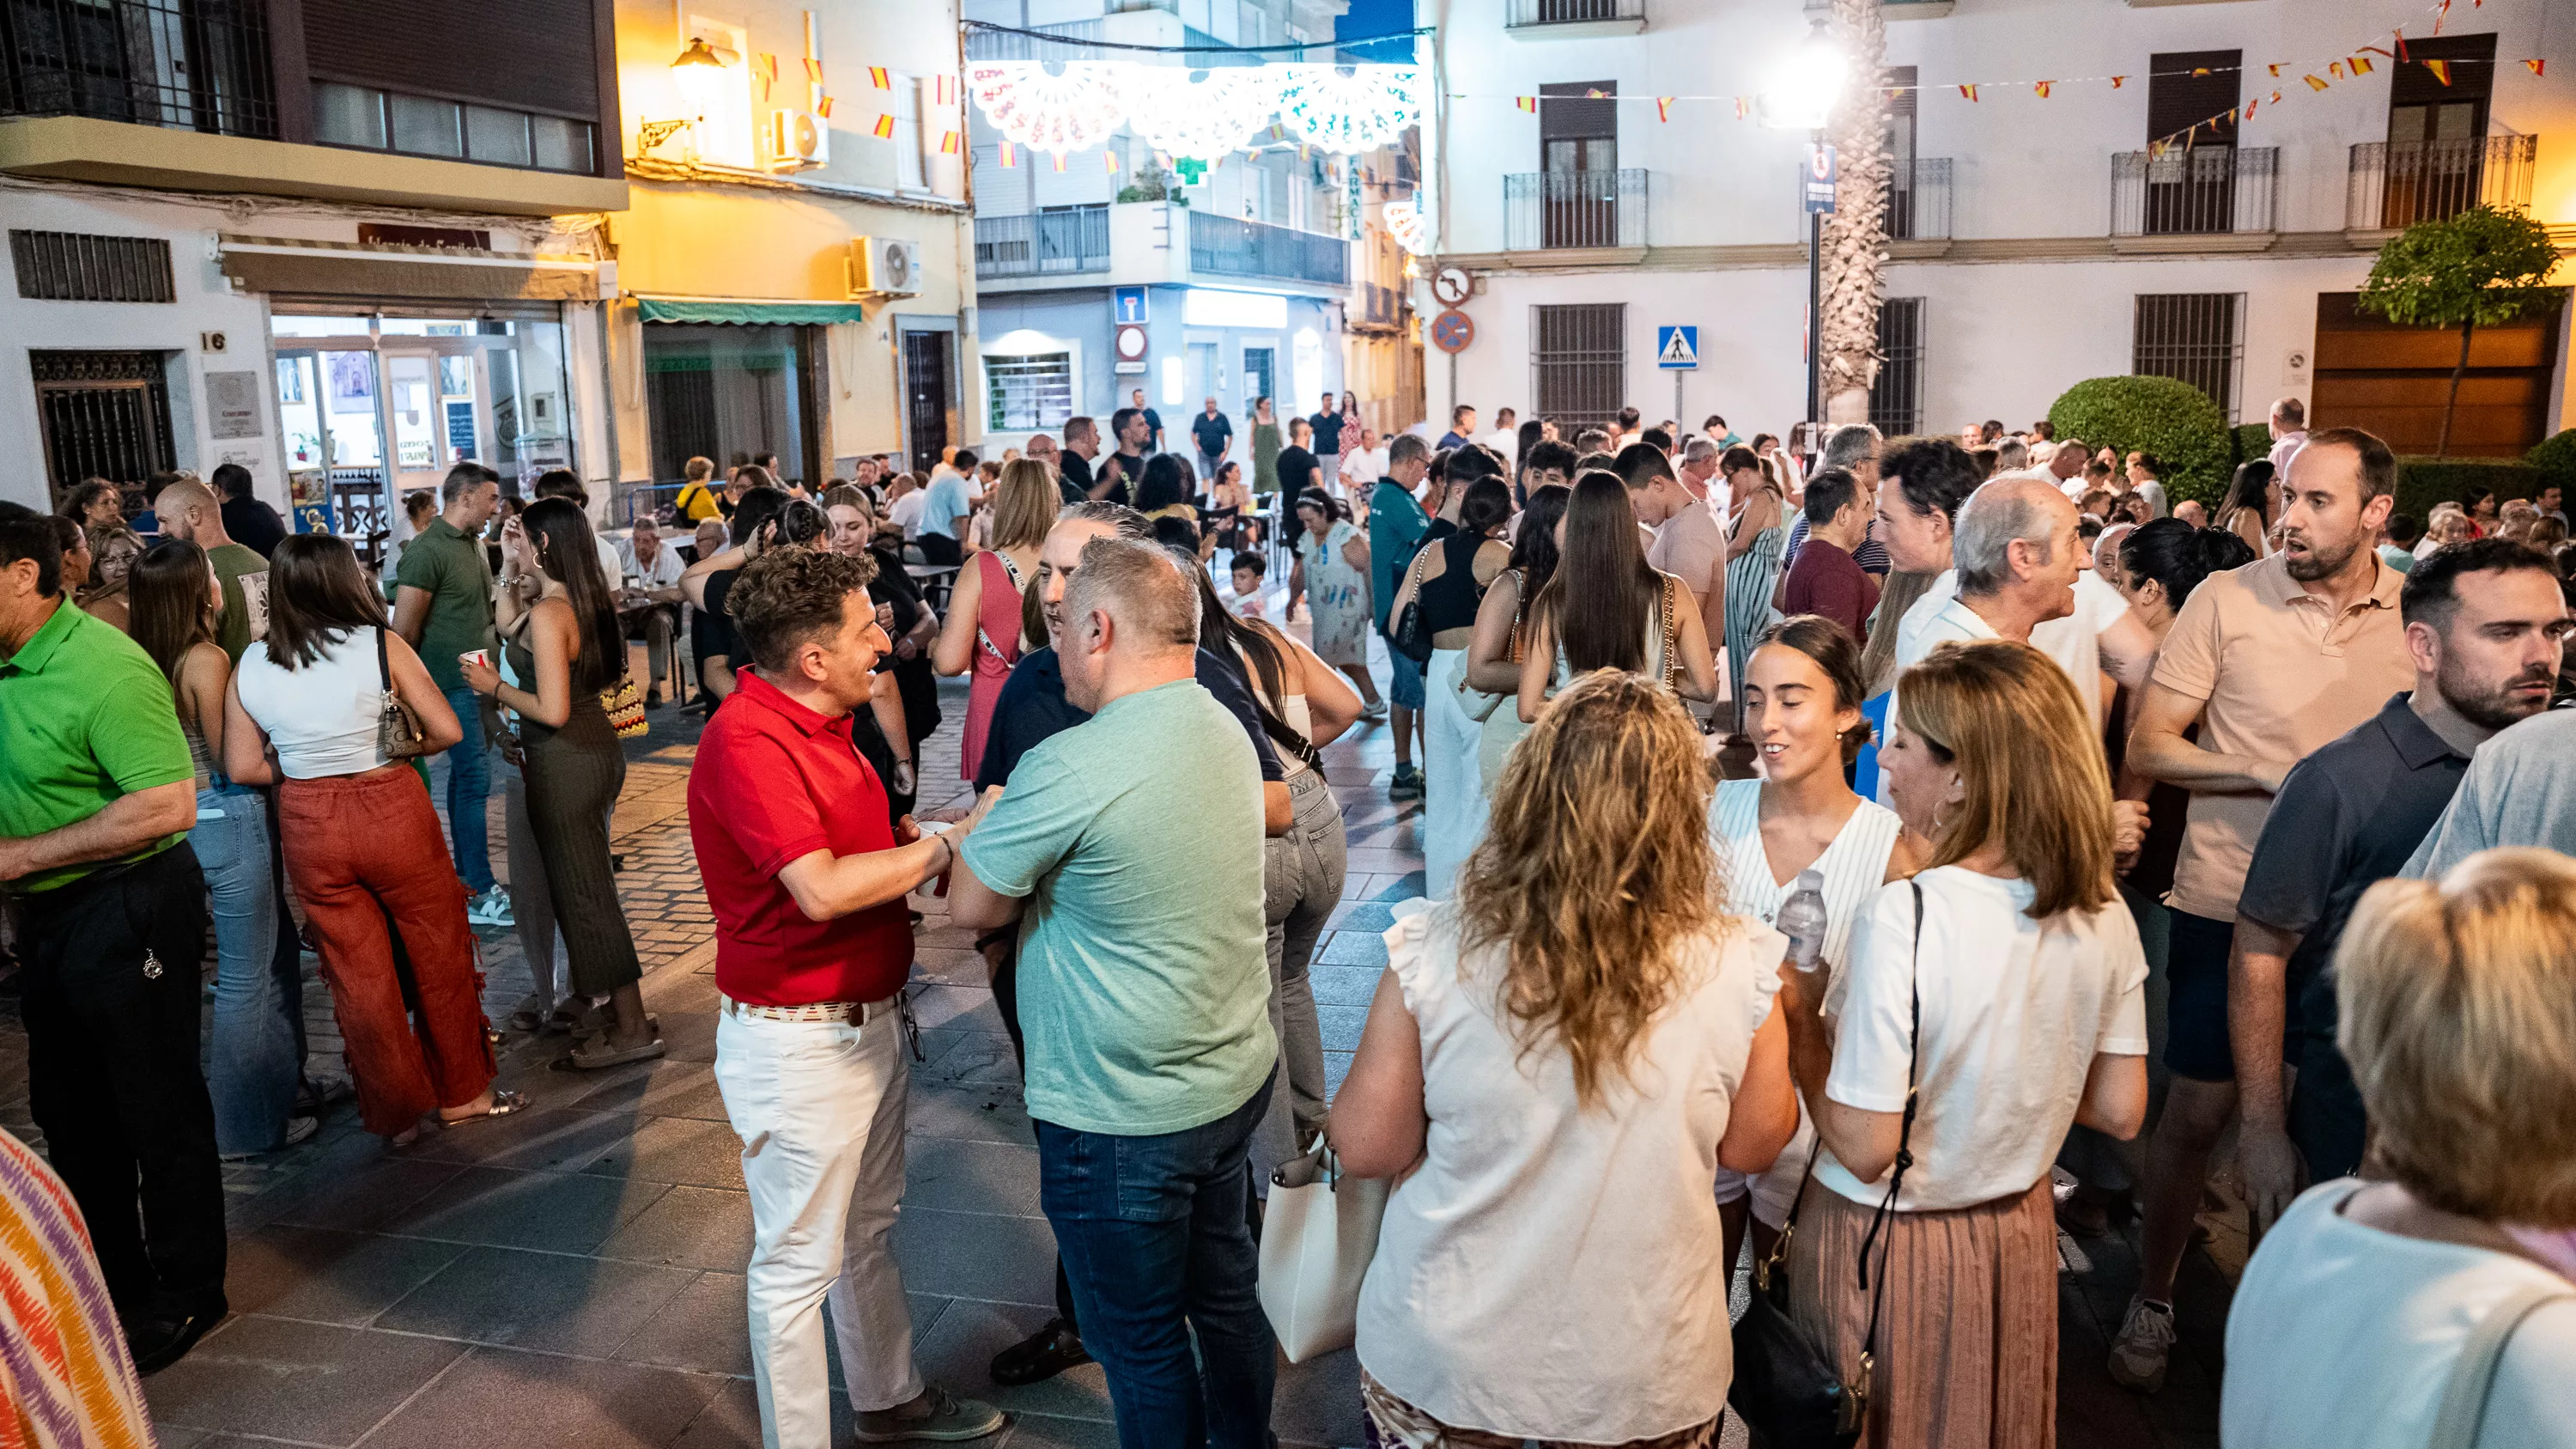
x: 1133, y: 842
x: 94, y: 842
x: 443, y: 606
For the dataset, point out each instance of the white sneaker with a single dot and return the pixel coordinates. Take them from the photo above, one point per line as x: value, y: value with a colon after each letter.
x: 2146, y: 1338
x: 1374, y: 710
x: 492, y: 908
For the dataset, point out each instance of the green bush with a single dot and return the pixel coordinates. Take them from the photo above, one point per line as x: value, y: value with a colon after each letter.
x: 2253, y: 440
x: 2424, y: 481
x: 2171, y: 419
x: 2555, y: 458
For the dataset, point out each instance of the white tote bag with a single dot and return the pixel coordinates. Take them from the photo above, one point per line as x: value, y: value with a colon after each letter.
x: 1316, y: 1241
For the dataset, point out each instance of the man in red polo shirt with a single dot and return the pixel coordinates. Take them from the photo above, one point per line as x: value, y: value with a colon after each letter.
x: 813, y: 946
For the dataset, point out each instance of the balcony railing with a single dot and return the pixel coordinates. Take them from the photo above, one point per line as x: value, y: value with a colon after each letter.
x: 1918, y: 200
x: 195, y: 65
x: 1375, y: 306
x: 1064, y: 241
x: 2193, y: 191
x: 1221, y: 246
x: 1532, y: 14
x: 1543, y: 210
x: 2396, y: 184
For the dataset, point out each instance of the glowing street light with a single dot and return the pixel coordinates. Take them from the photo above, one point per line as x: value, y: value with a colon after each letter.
x: 699, y: 72
x: 1807, y: 84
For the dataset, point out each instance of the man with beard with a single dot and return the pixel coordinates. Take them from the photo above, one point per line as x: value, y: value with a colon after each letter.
x: 2272, y: 661
x: 2485, y: 626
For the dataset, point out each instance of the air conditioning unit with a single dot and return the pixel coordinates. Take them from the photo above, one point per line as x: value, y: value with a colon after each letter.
x: 797, y: 139
x: 885, y: 266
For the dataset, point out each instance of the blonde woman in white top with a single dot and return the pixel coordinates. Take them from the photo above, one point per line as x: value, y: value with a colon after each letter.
x: 1557, y: 1063
x: 1802, y: 697
x: 2016, y: 1000
x: 2458, y: 1013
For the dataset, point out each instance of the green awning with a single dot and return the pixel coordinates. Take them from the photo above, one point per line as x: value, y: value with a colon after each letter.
x: 658, y: 309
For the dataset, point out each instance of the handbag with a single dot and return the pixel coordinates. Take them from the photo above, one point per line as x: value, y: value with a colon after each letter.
x: 1410, y: 638
x: 625, y: 706
x: 1317, y: 1237
x: 398, y: 731
x: 2464, y: 1396
x: 1786, y: 1388
x: 1671, y: 615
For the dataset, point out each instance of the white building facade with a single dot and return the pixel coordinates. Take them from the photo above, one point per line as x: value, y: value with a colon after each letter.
x: 2036, y: 240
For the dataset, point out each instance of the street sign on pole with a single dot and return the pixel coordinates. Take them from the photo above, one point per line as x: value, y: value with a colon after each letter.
x: 1677, y: 348
x: 1127, y: 305
x: 1819, y: 182
x: 1451, y: 331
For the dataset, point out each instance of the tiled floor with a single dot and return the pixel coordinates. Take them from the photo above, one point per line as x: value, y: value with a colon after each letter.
x: 572, y: 1276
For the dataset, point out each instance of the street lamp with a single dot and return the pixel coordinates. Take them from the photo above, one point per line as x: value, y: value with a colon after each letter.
x: 1809, y: 81
x: 699, y: 73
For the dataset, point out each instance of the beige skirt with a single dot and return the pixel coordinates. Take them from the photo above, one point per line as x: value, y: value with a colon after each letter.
x: 1967, y: 1337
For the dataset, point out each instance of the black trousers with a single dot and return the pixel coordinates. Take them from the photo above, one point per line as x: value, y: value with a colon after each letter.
x: 939, y: 548
x: 114, y: 974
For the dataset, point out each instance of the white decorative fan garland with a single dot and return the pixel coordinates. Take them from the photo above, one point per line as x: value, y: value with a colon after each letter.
x: 1199, y: 114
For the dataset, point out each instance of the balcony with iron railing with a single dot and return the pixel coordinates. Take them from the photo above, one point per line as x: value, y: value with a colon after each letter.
x: 1917, y: 204
x: 1221, y: 246
x: 2395, y: 184
x: 1062, y: 241
x: 193, y: 65
x: 1375, y: 308
x: 1552, y: 210
x: 1546, y: 19
x: 2198, y: 191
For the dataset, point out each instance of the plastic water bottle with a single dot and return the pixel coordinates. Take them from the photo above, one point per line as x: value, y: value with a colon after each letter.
x: 1802, y: 920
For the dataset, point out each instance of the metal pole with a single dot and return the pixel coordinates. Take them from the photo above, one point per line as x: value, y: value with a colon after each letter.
x: 1815, y: 309
x: 1677, y: 400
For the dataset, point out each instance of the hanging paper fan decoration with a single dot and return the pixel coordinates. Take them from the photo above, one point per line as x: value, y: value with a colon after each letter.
x: 1069, y: 111
x: 1200, y: 114
x: 1404, y: 223
x: 1349, y: 109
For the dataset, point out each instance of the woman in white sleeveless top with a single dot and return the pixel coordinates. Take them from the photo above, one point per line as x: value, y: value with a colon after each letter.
x: 1607, y: 608
x: 1802, y: 712
x: 1556, y: 1064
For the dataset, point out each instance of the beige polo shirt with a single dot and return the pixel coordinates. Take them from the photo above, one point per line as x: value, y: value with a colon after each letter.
x: 2278, y: 674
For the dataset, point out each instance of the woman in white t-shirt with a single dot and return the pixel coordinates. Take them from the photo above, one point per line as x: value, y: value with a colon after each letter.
x: 1802, y: 700
x: 2457, y: 1010
x: 1557, y: 1063
x: 2016, y: 1000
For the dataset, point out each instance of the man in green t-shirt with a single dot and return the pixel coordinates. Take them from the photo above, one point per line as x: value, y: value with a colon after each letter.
x: 94, y: 844
x: 1129, y: 848
x: 189, y: 509
x: 443, y: 605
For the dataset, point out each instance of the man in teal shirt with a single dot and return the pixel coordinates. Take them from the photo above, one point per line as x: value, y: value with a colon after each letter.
x: 1396, y: 526
x: 1129, y: 848
x: 94, y: 844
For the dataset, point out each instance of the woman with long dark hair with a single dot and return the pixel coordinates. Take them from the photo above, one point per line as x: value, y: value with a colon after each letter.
x: 1165, y: 491
x: 1607, y: 608
x: 253, y: 1065
x: 981, y: 638
x: 1447, y: 583
x: 558, y: 624
x: 1502, y: 633
x: 2247, y: 511
x: 363, y: 846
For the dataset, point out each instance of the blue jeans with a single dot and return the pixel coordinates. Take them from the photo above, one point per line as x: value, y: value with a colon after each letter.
x: 252, y: 1063
x: 1156, y: 1238
x: 469, y: 782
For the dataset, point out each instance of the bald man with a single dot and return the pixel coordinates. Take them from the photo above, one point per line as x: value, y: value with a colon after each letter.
x: 189, y: 510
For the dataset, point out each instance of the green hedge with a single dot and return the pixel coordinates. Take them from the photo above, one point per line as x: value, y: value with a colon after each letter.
x: 2171, y: 419
x: 2424, y: 481
x: 2556, y: 459
x: 2253, y: 440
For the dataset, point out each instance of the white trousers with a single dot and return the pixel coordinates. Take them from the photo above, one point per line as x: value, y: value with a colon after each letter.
x: 1453, y: 794
x: 819, y: 1106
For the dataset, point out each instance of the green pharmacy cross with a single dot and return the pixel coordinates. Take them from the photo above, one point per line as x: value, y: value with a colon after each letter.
x: 1191, y: 169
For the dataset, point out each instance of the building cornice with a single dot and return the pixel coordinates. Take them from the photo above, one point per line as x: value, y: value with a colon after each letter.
x: 647, y: 169
x: 1965, y: 252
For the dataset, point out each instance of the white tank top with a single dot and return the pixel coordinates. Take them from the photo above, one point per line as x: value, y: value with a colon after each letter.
x: 1854, y: 865
x: 321, y: 717
x: 1290, y: 708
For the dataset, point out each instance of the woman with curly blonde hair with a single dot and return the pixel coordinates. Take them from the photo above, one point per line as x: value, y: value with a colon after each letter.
x: 1558, y: 1062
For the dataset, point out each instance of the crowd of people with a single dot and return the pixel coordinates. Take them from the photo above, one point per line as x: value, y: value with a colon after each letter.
x: 1944, y: 841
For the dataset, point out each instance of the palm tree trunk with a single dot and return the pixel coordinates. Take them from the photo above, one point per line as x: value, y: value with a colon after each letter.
x: 1854, y: 253
x: 2451, y: 405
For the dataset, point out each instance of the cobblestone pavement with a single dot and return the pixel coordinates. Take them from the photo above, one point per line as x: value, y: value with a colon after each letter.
x: 572, y: 1276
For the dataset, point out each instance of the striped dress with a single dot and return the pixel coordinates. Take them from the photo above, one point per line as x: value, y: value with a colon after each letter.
x: 1751, y: 577
x: 1854, y: 867
x: 66, y: 1381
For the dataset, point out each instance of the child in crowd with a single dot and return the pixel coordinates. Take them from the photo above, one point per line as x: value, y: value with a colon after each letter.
x: 1250, y: 572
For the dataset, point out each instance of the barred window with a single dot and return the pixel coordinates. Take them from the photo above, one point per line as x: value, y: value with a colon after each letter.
x: 2197, y: 337
x: 1579, y: 363
x: 1896, y: 399
x: 1031, y: 392
x: 67, y: 266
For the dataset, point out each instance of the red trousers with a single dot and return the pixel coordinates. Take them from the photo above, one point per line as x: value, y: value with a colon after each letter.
x: 359, y: 849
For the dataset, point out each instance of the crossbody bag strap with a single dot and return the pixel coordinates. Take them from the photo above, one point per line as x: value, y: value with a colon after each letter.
x: 1520, y: 612
x: 1013, y: 570
x: 2464, y: 1397
x: 384, y: 669
x: 1884, y: 1217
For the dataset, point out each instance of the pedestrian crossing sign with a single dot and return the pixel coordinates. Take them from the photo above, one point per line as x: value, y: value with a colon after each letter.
x: 1677, y: 348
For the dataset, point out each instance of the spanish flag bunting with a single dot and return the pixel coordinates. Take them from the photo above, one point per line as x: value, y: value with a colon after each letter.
x: 2402, y: 56
x: 2441, y: 70
x: 1969, y: 91
x: 2276, y: 70
x: 2118, y: 81
x: 883, y: 130
x: 2249, y: 108
x: 1305, y: 152
x: 2538, y: 67
x: 1526, y: 103
x: 948, y: 143
x: 877, y: 77
x: 1010, y: 157
x: 2335, y: 68
x: 2443, y: 10
x: 813, y: 70
x: 2316, y: 84
x: 823, y: 108
x: 1743, y: 107
x: 2380, y: 49
x: 2200, y: 70
x: 2360, y: 65
x: 1109, y: 160
x: 2156, y: 150
x: 2276, y: 98
x: 1059, y: 160
x: 946, y: 89
x: 2042, y: 88
x: 769, y: 64
x: 1664, y: 108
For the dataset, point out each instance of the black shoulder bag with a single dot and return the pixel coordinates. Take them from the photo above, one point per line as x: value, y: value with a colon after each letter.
x: 1411, y: 638
x: 1786, y: 1388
